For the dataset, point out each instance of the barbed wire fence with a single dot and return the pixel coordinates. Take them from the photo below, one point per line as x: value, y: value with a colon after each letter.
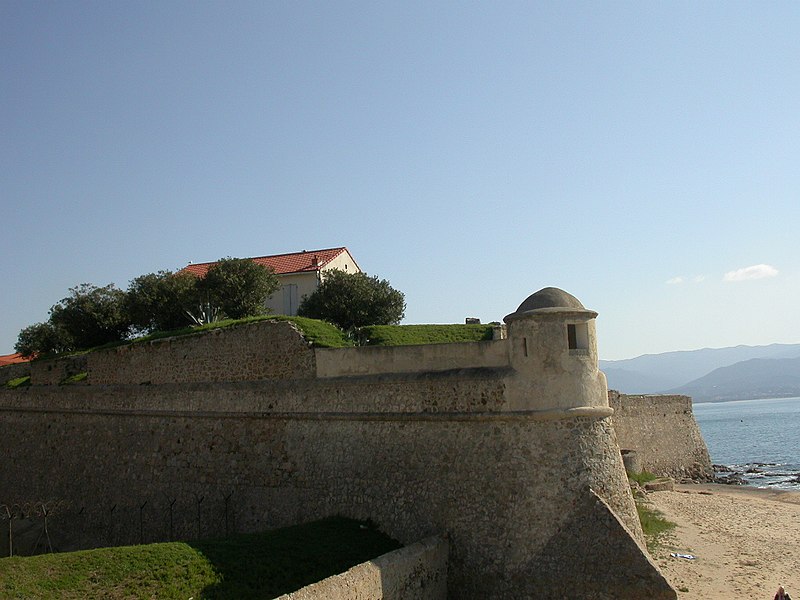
x: 45, y: 526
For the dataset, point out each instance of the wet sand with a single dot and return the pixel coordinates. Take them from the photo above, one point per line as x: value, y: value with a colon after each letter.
x: 746, y: 541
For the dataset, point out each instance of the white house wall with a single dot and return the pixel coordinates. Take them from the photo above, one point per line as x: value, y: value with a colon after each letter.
x: 343, y: 262
x: 304, y: 283
x: 287, y: 299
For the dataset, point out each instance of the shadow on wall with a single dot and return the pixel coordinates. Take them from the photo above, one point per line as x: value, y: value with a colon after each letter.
x: 266, y: 565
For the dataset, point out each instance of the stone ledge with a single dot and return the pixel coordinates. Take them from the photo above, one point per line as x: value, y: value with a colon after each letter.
x: 663, y: 484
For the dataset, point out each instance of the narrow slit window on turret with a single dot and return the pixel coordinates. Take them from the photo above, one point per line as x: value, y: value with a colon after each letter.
x: 572, y: 337
x: 578, y: 336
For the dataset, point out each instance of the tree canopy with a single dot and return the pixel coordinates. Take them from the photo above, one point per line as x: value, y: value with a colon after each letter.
x: 43, y: 338
x: 161, y: 301
x: 352, y: 300
x: 239, y: 287
x: 91, y: 315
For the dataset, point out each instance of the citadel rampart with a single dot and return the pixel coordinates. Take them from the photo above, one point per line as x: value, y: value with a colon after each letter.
x: 14, y: 371
x: 663, y: 433
x: 507, y: 447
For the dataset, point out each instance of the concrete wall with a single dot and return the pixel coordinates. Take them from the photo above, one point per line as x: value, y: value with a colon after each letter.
x: 664, y: 434
x: 526, y: 485
x: 416, y: 572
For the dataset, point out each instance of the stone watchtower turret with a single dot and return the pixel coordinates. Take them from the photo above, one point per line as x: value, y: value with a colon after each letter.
x: 553, y: 351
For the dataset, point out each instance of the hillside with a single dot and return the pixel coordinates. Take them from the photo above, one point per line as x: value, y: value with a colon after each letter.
x: 670, y: 371
x: 755, y: 378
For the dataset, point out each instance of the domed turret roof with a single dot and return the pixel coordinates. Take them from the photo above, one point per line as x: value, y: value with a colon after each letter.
x: 550, y: 297
x: 549, y: 300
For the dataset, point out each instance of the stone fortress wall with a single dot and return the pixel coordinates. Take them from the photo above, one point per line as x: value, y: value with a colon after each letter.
x: 663, y: 433
x: 14, y: 371
x: 507, y: 447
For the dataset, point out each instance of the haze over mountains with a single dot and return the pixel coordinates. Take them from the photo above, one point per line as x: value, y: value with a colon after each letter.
x: 711, y: 374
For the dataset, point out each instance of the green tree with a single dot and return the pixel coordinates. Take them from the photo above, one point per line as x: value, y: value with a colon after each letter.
x: 92, y: 316
x: 160, y: 301
x: 43, y: 338
x: 354, y: 300
x: 239, y: 287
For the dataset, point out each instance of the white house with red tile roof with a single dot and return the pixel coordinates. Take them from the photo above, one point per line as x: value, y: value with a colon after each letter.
x: 299, y: 274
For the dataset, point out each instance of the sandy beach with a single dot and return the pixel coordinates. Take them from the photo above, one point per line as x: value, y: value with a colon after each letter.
x: 746, y: 541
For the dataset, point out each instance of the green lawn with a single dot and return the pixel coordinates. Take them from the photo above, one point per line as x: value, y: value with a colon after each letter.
x: 251, y: 566
x: 319, y: 333
x: 409, y: 335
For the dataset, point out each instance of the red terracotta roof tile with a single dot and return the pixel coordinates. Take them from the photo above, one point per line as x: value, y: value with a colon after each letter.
x: 12, y: 359
x: 294, y: 262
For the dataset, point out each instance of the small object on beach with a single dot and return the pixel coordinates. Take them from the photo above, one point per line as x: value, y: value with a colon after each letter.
x: 686, y: 556
x: 781, y: 594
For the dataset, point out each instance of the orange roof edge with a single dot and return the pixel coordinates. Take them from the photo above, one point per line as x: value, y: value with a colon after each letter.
x: 12, y: 359
x: 283, y: 264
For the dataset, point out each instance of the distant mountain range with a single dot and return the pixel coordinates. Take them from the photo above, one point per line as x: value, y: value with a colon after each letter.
x: 711, y: 374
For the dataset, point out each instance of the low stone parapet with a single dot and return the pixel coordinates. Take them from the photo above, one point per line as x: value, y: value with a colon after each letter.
x: 416, y: 572
x: 376, y: 360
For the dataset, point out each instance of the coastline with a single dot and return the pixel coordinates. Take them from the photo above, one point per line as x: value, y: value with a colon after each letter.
x: 745, y: 540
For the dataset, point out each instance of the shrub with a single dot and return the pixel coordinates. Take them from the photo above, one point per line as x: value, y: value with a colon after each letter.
x: 351, y: 300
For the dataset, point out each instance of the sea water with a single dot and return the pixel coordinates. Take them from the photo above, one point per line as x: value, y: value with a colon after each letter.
x: 757, y: 439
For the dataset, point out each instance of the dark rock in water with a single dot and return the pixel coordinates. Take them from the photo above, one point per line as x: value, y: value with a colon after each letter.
x: 721, y: 469
x: 732, y: 479
x: 753, y: 470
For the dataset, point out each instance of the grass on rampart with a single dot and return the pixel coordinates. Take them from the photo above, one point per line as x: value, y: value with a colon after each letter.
x: 19, y: 382
x: 319, y: 333
x: 409, y: 335
x: 322, y: 334
x: 76, y: 378
x: 248, y: 566
x: 326, y: 335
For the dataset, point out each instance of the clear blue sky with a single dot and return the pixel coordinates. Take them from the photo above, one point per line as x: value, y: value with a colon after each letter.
x: 632, y: 154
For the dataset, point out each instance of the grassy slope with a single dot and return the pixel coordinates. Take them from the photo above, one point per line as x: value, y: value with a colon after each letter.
x: 262, y: 565
x: 323, y: 334
x: 319, y: 333
x: 406, y: 335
